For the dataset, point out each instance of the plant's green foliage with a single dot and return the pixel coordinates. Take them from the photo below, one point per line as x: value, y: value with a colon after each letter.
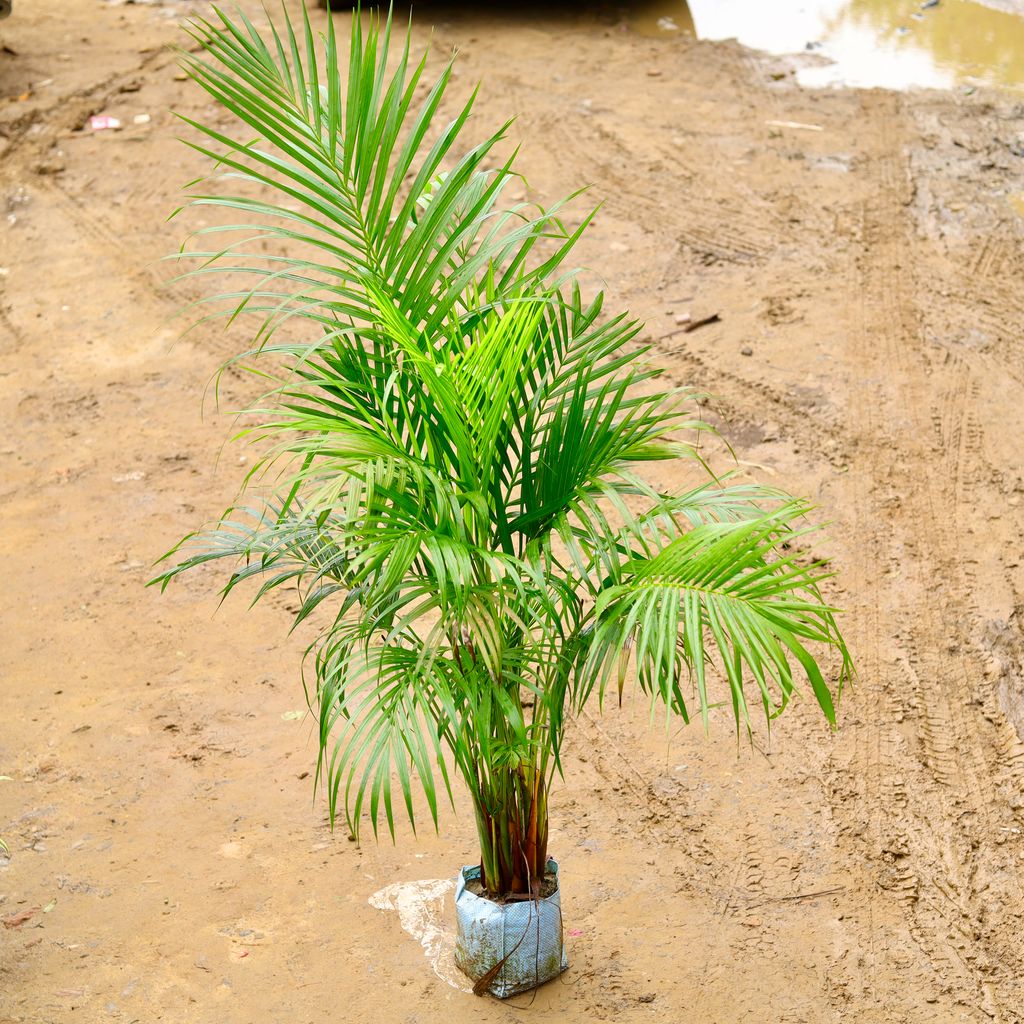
x: 453, y: 443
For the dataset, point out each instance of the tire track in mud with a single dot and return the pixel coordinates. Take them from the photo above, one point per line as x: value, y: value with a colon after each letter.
x: 101, y: 238
x: 26, y: 143
x: 935, y: 850
x: 745, y: 876
x: 67, y: 113
x: 666, y: 824
x: 705, y: 863
x: 731, y: 229
x: 828, y: 439
x: 995, y: 317
x: 730, y: 873
x: 993, y: 254
x: 887, y: 337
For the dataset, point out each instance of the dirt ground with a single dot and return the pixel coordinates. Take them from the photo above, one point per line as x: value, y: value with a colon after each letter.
x: 164, y: 835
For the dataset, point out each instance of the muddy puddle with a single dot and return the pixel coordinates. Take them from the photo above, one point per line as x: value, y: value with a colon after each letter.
x: 891, y: 44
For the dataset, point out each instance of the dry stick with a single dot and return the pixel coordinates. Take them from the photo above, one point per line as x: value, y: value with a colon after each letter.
x: 809, y: 895
x: 751, y: 904
x: 692, y: 326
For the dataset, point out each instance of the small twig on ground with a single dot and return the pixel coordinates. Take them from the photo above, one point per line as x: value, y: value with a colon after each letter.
x: 795, y: 124
x: 692, y: 326
x: 702, y: 322
x: 809, y: 895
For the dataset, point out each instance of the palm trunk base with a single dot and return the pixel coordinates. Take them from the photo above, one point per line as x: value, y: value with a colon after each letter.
x: 514, y: 840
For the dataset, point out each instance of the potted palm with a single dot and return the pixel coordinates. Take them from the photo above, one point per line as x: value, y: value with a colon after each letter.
x: 448, y: 471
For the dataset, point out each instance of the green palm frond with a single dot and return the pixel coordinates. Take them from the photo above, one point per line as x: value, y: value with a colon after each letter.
x: 369, y: 192
x: 725, y: 587
x: 379, y: 695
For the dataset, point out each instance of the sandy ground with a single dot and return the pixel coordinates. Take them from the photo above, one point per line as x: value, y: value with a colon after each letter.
x: 165, y: 839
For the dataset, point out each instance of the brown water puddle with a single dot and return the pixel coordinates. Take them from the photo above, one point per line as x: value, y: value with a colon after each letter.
x: 893, y: 44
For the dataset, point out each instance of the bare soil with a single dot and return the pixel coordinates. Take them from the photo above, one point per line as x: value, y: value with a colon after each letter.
x: 170, y: 861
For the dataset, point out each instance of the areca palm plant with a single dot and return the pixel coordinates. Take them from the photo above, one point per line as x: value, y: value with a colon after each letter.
x: 451, y: 440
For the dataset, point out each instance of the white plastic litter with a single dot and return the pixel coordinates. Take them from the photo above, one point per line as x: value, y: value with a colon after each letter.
x: 423, y: 910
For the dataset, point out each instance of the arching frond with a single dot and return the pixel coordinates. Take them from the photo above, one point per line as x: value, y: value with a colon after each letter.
x: 727, y: 588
